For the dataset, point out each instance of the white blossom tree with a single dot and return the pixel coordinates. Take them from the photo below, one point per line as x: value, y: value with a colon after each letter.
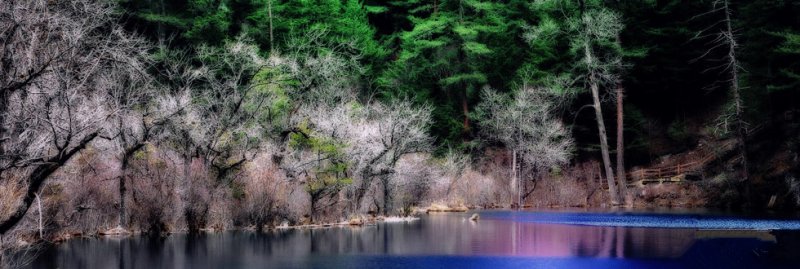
x: 58, y: 62
x: 237, y: 100
x: 383, y: 135
x: 366, y: 140
x: 146, y: 109
x: 526, y: 124
x: 315, y: 156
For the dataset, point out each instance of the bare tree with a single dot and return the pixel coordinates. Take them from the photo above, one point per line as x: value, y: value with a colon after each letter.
x: 317, y: 115
x: 594, y: 26
x: 526, y: 124
x: 148, y: 110
x: 449, y: 170
x: 150, y: 174
x: 366, y: 139
x: 144, y: 108
x: 591, y: 30
x: 57, y: 62
x: 722, y: 37
x: 236, y: 100
x: 265, y: 192
x: 728, y: 38
x: 325, y: 73
x: 219, y: 110
x: 413, y: 180
x: 233, y: 97
x: 318, y: 158
x: 14, y: 253
x: 383, y: 134
x: 386, y: 133
x: 372, y: 136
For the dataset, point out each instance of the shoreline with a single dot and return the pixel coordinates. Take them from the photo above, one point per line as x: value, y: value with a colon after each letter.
x: 119, y: 233
x: 366, y: 220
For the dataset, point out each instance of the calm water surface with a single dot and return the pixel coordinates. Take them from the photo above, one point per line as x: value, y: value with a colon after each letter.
x: 501, y: 239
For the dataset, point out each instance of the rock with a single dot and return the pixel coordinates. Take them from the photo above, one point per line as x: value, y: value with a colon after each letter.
x: 356, y: 222
x: 417, y: 211
x: 435, y: 207
x: 474, y: 217
x: 305, y: 220
x: 459, y: 208
x: 399, y: 219
x: 118, y: 231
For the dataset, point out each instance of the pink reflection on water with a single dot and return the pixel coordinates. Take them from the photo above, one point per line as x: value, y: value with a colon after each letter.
x: 549, y: 240
x: 507, y: 238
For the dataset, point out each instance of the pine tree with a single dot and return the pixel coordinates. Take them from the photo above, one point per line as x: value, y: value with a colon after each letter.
x: 791, y: 47
x: 443, y: 57
x: 768, y: 33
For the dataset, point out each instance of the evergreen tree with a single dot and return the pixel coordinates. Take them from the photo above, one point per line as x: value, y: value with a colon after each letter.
x: 790, y: 47
x: 444, y: 58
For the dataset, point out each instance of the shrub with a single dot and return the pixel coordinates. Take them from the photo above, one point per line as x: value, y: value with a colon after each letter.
x: 84, y: 196
x: 264, y: 194
x: 152, y: 192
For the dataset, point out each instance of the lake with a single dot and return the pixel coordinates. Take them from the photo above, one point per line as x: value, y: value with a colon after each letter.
x: 500, y: 239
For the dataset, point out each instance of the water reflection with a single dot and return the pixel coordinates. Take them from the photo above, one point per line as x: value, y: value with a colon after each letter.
x: 436, y: 241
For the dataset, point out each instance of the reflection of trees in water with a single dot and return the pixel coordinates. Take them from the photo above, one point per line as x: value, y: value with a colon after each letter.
x: 550, y: 240
x: 786, y: 247
x: 440, y: 235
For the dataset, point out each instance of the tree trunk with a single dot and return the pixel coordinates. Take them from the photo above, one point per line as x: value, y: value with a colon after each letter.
x: 465, y: 110
x: 187, y: 167
x: 160, y: 25
x: 41, y: 227
x: 623, y: 182
x: 741, y: 129
x: 271, y: 39
x: 520, y: 184
x: 187, y: 163
x: 386, y: 198
x: 122, y: 189
x: 601, y: 127
x: 127, y: 154
x: 313, y: 209
x: 185, y: 188
x: 37, y: 178
x: 3, y: 108
x: 514, y: 184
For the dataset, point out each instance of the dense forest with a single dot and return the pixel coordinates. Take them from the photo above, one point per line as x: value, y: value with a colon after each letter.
x: 153, y: 115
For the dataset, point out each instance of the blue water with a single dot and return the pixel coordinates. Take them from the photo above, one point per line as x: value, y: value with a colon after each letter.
x: 501, y: 239
x: 648, y: 220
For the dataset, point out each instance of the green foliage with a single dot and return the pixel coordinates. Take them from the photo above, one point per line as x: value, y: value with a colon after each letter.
x: 269, y: 100
x: 442, y: 53
x: 237, y: 190
x: 342, y: 24
x: 791, y: 44
x: 163, y: 19
x: 575, y: 40
x: 328, y: 174
x: 678, y: 131
x: 636, y: 123
x: 790, y: 47
x: 447, y: 55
